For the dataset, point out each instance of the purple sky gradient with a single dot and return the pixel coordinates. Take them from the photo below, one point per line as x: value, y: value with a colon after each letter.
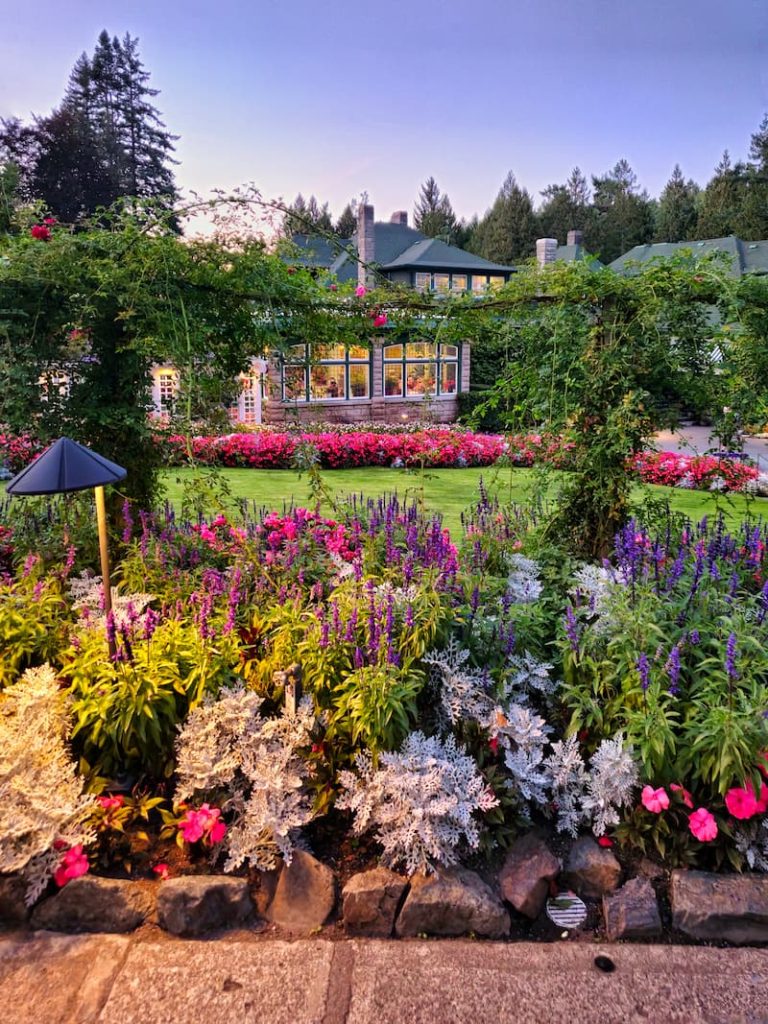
x: 337, y: 99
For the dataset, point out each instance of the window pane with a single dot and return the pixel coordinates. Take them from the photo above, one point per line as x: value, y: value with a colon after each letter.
x: 442, y: 282
x: 479, y: 284
x: 393, y: 379
x: 459, y: 283
x: 448, y: 378
x: 393, y: 352
x: 495, y: 283
x: 322, y: 352
x: 296, y: 354
x: 358, y: 352
x: 419, y: 350
x: 294, y: 384
x: 423, y: 282
x: 421, y: 379
x: 359, y: 381
x: 326, y: 382
x: 449, y: 352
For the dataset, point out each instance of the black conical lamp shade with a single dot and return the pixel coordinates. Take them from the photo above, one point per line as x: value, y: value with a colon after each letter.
x: 66, y: 466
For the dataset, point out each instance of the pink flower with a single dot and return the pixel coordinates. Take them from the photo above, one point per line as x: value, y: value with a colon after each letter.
x: 203, y: 824
x: 161, y: 870
x: 40, y: 232
x: 333, y: 287
x: 654, y: 800
x: 360, y: 291
x: 50, y: 221
x: 742, y: 802
x: 685, y: 795
x: 380, y: 320
x: 703, y: 825
x: 73, y: 864
x: 111, y: 803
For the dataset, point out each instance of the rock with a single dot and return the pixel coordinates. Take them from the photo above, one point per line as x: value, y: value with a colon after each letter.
x: 650, y: 869
x: 632, y: 912
x: 370, y: 901
x: 194, y: 904
x: 529, y: 868
x: 591, y: 870
x: 305, y: 894
x: 13, y: 909
x: 93, y: 904
x: 264, y: 892
x: 729, y: 907
x: 452, y: 902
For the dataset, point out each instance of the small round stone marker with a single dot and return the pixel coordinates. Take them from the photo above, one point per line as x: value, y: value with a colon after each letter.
x: 566, y: 910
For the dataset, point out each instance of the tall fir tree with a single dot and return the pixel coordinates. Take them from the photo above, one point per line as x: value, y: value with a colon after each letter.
x: 721, y: 200
x: 346, y: 225
x: 307, y: 217
x: 566, y: 208
x: 677, y: 213
x: 624, y: 215
x: 509, y: 229
x: 433, y: 214
x: 104, y: 142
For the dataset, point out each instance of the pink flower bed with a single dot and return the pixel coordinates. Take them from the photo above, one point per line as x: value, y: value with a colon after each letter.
x: 700, y: 472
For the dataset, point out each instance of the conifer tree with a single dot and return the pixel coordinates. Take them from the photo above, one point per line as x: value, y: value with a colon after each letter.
x: 508, y: 230
x: 623, y: 214
x: 433, y: 214
x: 566, y: 208
x: 677, y: 213
x: 346, y: 225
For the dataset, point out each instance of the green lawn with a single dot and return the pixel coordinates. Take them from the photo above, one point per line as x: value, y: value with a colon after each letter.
x: 448, y: 491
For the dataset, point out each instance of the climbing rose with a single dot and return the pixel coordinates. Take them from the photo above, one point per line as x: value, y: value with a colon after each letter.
x: 380, y: 320
x: 703, y: 825
x: 360, y: 291
x: 654, y: 800
x: 41, y: 232
x: 73, y: 864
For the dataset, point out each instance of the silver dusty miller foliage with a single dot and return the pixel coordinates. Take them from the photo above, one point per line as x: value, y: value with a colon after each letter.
x: 420, y: 803
x: 227, y: 745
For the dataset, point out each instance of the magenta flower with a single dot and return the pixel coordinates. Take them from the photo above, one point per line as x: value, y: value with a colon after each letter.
x: 360, y: 291
x: 685, y: 796
x: 654, y: 800
x: 73, y: 864
x: 742, y: 802
x: 380, y: 320
x: 204, y: 824
x: 703, y: 825
x: 162, y: 872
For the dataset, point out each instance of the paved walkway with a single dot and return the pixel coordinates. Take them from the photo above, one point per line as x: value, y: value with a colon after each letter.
x: 695, y: 440
x: 238, y: 979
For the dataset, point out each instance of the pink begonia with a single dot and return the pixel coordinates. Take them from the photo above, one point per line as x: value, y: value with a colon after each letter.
x: 742, y: 802
x: 685, y: 795
x: 73, y: 864
x: 360, y: 291
x: 703, y: 825
x: 203, y: 824
x: 654, y: 800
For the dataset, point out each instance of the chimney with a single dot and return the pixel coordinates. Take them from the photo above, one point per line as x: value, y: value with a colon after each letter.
x: 399, y: 217
x: 546, y: 251
x: 575, y: 238
x: 365, y: 246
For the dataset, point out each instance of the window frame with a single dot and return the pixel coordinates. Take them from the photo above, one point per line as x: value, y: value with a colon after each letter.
x: 438, y: 360
x: 307, y: 364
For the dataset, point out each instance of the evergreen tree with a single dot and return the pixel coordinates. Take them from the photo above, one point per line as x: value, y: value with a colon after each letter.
x: 721, y: 200
x: 752, y: 218
x: 346, y: 225
x: 623, y: 214
x: 566, y: 208
x: 105, y: 141
x: 307, y: 217
x: 677, y: 213
x: 433, y: 213
x: 509, y: 229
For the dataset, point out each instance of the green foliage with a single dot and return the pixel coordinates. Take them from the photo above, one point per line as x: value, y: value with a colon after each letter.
x: 375, y: 706
x: 34, y: 622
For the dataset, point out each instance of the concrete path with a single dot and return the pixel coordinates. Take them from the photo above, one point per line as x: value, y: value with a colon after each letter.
x: 107, y: 979
x: 696, y: 440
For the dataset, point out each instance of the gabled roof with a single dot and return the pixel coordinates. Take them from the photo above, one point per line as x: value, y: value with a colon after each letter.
x: 436, y: 255
x: 746, y: 257
x: 396, y: 247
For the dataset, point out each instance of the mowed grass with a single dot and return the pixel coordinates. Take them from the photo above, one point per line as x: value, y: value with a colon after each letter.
x: 448, y: 491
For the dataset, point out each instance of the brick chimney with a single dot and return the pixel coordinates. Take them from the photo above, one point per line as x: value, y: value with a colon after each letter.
x: 575, y: 238
x: 399, y: 217
x: 546, y: 251
x: 365, y: 246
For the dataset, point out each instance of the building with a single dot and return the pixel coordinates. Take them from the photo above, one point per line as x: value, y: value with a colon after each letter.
x: 745, y: 257
x: 398, y: 378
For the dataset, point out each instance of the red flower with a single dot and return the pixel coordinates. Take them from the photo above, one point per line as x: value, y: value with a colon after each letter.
x: 40, y: 232
x: 494, y: 744
x: 50, y: 221
x: 161, y: 870
x: 604, y: 841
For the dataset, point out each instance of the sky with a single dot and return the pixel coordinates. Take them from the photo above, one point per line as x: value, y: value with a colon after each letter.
x: 337, y: 100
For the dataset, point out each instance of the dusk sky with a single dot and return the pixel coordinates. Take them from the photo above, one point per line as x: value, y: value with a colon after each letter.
x: 334, y: 99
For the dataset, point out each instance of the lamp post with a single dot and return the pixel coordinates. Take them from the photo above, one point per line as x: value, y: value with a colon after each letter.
x: 68, y: 466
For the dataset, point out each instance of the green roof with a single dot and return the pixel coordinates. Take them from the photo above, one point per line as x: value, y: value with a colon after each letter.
x: 436, y: 255
x: 746, y: 257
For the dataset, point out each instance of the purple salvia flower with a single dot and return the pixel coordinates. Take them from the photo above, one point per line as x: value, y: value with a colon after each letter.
x: 694, y: 637
x: 572, y: 629
x: 127, y: 521
x: 672, y: 669
x: 643, y: 670
x: 730, y: 657
x: 151, y: 622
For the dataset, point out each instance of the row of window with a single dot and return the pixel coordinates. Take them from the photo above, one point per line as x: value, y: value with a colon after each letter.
x: 478, y: 284
x: 338, y: 373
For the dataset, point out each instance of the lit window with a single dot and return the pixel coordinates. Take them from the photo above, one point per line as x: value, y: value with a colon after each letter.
x: 326, y: 373
x: 423, y: 282
x: 420, y: 368
x: 479, y: 284
x: 167, y: 386
x: 441, y: 282
x: 458, y: 282
x: 495, y: 282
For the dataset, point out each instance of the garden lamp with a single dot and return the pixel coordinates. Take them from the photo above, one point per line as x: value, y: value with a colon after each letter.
x: 69, y: 466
